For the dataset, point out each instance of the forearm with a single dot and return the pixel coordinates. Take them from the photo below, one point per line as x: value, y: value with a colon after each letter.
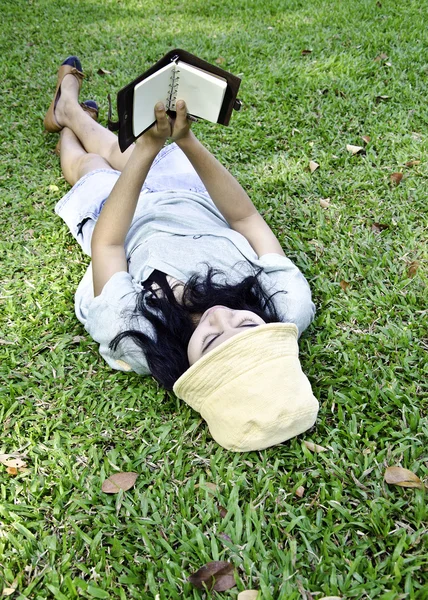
x: 225, y: 191
x: 116, y: 216
x: 230, y: 198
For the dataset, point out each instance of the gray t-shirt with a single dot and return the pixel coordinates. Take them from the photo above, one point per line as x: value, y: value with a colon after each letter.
x: 181, y: 233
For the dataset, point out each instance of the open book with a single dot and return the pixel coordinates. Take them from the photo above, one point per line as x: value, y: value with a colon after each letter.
x: 209, y: 92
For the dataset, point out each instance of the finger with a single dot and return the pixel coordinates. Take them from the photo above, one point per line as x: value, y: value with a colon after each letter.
x: 181, y: 110
x: 161, y: 117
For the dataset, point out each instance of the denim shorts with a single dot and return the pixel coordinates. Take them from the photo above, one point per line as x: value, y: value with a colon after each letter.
x: 81, y: 206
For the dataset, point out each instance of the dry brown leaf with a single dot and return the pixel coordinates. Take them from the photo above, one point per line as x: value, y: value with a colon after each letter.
x: 16, y: 463
x: 119, y: 481
x: 8, y: 591
x: 300, y: 491
x: 412, y: 268
x: 366, y: 139
x: 396, y: 178
x: 378, y: 227
x: 344, y: 284
x: 324, y: 202
x: 382, y: 56
x: 220, y: 60
x: 304, y: 52
x: 12, y: 471
x: 103, y: 72
x: 413, y: 163
x: 248, y: 595
x: 313, y: 166
x: 354, y: 149
x: 12, y: 460
x: 222, y: 511
x: 314, y: 447
x: 402, y: 477
x: 216, y: 575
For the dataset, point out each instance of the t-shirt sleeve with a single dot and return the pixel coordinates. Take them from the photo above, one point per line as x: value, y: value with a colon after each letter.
x: 295, y: 305
x: 110, y: 314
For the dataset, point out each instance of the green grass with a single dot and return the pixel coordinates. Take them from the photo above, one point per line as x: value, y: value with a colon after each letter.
x: 351, y: 535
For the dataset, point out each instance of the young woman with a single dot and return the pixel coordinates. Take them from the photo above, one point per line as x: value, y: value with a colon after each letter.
x: 187, y: 281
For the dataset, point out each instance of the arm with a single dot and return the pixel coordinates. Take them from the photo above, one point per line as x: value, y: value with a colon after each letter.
x: 225, y: 191
x: 108, y: 239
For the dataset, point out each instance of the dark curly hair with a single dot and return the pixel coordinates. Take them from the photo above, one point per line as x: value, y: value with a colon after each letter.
x: 173, y: 324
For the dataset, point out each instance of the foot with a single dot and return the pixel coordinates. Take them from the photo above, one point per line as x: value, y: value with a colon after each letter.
x: 68, y: 100
x: 71, y: 66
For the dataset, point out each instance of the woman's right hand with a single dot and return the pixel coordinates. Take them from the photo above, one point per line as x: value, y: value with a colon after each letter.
x: 181, y: 124
x: 160, y: 131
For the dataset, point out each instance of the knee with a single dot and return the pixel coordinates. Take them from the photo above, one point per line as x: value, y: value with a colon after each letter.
x: 91, y: 162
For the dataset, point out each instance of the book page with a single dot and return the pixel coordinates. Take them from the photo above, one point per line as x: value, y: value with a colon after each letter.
x: 146, y: 94
x: 202, y: 92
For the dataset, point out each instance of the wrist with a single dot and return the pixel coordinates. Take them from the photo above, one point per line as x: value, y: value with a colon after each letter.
x: 187, y: 141
x: 150, y: 146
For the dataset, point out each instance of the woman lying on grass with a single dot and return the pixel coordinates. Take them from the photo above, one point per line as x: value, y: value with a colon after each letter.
x: 187, y: 281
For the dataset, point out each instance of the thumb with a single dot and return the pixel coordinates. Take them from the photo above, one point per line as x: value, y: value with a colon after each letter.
x: 181, y: 109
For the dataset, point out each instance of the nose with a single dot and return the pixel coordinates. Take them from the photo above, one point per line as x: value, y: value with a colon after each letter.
x: 220, y: 317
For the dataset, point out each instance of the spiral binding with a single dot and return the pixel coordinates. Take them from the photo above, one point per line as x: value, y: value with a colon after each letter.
x: 173, y: 89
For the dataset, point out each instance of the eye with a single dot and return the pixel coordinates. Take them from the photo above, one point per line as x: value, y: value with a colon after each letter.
x: 212, y: 336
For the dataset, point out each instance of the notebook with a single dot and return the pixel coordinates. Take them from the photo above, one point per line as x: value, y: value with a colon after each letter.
x: 209, y: 92
x: 202, y: 92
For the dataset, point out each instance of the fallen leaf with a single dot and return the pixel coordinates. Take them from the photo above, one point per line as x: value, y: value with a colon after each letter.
x: 220, y: 60
x: 14, y: 463
x: 382, y: 56
x: 216, y: 575
x: 344, y: 285
x: 119, y: 481
x: 211, y: 487
x: 395, y: 178
x: 103, y: 72
x: 222, y: 511
x: 378, y: 227
x: 8, y: 591
x: 413, y: 163
x: 324, y: 202
x: 12, y: 471
x: 224, y: 536
x: 382, y: 98
x: 304, y: 52
x: 78, y: 338
x: 354, y: 149
x: 53, y: 188
x: 313, y: 166
x: 12, y: 460
x: 300, y: 491
x: 412, y: 268
x: 314, y: 447
x: 248, y: 595
x: 366, y: 139
x: 402, y: 477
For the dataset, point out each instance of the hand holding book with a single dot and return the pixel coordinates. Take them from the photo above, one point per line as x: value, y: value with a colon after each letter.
x: 208, y: 91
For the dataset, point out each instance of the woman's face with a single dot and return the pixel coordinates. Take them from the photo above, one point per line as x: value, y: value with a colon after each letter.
x: 217, y: 325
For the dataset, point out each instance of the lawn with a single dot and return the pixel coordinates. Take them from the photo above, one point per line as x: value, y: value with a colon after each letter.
x: 317, y: 76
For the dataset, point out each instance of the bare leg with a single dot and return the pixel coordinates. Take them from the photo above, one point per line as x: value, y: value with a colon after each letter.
x: 75, y: 161
x: 94, y: 138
